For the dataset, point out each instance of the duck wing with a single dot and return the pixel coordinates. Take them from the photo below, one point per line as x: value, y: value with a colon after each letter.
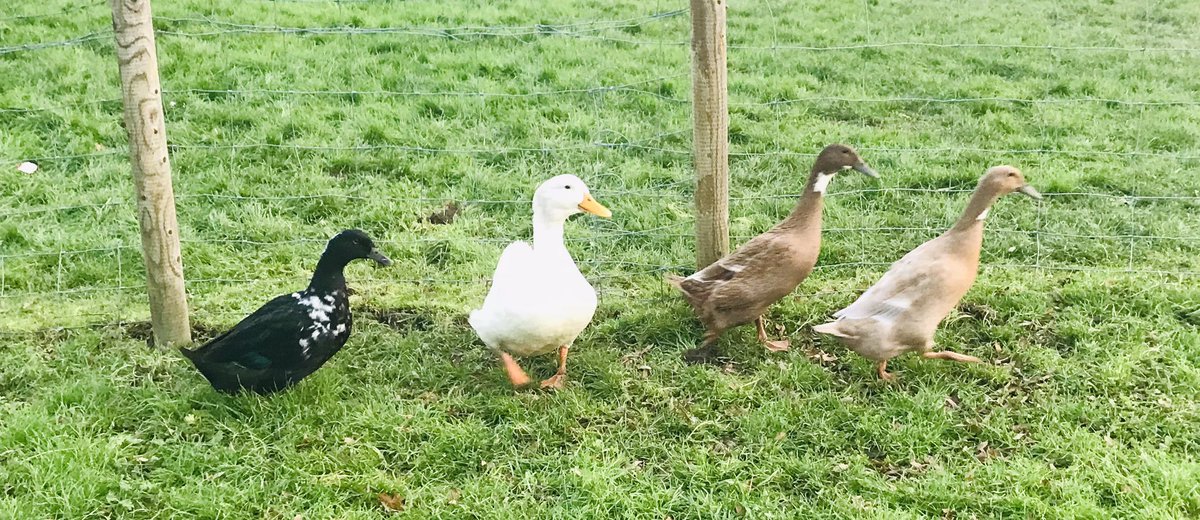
x: 267, y: 338
x: 719, y: 281
x: 746, y: 260
x: 903, y: 283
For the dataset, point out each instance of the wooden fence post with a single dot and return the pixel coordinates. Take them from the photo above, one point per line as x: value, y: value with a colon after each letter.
x: 710, y: 120
x: 142, y: 94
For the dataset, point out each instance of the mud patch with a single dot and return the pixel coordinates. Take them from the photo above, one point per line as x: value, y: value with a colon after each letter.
x: 445, y: 215
x: 142, y: 331
x: 401, y: 319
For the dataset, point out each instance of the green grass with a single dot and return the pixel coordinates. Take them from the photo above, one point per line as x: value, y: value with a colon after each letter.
x: 1089, y: 405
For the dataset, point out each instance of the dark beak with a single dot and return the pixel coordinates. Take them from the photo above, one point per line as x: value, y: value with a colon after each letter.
x: 865, y: 170
x: 379, y: 258
x: 1028, y: 190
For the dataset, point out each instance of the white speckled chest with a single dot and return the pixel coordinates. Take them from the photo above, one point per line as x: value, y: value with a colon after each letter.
x: 327, y: 319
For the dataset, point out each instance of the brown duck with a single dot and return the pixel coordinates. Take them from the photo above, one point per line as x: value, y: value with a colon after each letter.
x: 901, y: 312
x: 739, y: 288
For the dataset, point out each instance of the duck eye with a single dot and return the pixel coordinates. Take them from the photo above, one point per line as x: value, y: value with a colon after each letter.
x: 567, y: 187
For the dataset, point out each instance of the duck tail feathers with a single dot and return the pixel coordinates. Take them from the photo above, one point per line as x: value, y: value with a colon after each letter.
x: 192, y: 354
x: 832, y: 328
x: 694, y: 293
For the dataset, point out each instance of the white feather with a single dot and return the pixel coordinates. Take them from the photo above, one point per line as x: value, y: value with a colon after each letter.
x: 822, y: 182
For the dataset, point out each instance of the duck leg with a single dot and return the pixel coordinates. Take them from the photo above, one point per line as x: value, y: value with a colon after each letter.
x: 774, y: 346
x: 881, y: 369
x: 707, y: 352
x: 515, y: 374
x: 951, y: 356
x: 558, y: 381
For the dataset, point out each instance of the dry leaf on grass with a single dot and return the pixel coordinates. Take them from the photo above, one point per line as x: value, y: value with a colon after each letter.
x: 820, y: 356
x: 391, y: 502
x: 630, y: 358
x: 985, y: 452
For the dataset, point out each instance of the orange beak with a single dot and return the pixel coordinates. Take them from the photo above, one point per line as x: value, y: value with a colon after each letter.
x: 591, y: 206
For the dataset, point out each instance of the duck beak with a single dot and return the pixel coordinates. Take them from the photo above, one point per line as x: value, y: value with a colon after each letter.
x: 1028, y: 190
x: 591, y: 206
x: 865, y: 170
x: 379, y: 258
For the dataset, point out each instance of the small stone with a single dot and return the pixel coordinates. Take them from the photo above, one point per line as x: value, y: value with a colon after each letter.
x: 27, y: 167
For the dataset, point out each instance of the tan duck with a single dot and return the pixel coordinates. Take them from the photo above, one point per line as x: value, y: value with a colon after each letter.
x: 901, y: 312
x: 739, y: 288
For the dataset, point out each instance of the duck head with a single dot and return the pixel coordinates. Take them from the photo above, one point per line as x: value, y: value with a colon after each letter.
x: 563, y: 196
x: 1005, y: 179
x: 353, y: 244
x: 836, y: 158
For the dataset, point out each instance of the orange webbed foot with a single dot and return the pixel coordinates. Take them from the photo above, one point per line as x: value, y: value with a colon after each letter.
x: 516, y: 375
x: 951, y: 356
x: 556, y: 382
x: 881, y: 369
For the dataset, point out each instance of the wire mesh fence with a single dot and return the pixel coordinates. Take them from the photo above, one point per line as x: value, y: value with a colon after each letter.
x: 1146, y: 227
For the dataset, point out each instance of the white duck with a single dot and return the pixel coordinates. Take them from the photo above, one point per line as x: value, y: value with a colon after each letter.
x: 539, y: 301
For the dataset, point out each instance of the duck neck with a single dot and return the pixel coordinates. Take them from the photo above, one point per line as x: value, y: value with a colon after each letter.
x: 977, y: 211
x: 329, y: 275
x: 806, y: 216
x: 548, y: 234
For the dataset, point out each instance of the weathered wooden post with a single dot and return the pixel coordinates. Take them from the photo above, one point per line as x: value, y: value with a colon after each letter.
x: 142, y: 94
x: 710, y: 120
